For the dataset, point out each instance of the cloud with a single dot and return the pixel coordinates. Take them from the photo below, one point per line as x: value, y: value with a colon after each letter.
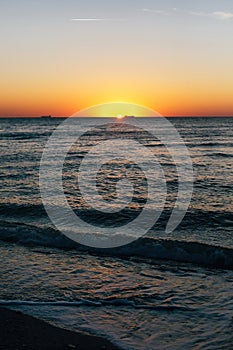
x: 158, y: 12
x: 96, y: 19
x: 222, y: 15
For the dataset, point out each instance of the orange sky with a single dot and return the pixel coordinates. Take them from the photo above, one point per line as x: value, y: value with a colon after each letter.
x: 176, y: 64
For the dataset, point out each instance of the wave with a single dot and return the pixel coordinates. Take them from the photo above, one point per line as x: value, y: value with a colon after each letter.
x: 194, y: 218
x: 220, y: 154
x: 96, y: 303
x: 23, y: 135
x: 146, y: 248
x: 210, y: 144
x: 18, y: 210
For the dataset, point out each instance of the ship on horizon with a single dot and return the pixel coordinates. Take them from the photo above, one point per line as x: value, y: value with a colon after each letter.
x: 46, y: 116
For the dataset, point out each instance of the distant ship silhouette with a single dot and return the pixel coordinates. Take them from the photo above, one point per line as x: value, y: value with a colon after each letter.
x: 46, y: 116
x: 129, y: 117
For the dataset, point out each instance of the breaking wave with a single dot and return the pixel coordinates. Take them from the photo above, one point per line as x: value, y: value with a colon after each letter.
x: 144, y: 248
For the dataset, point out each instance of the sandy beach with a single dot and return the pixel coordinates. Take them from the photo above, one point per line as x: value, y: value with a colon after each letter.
x: 18, y: 331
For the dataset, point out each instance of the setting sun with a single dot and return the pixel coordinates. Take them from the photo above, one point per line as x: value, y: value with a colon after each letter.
x: 120, y: 116
x: 117, y: 110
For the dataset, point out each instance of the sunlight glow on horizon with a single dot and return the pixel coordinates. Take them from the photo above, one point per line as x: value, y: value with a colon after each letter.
x: 118, y: 110
x: 120, y: 116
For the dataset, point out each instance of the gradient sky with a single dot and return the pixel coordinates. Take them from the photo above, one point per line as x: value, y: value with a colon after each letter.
x: 58, y: 56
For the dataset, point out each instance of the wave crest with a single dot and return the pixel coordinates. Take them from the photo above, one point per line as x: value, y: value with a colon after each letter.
x: 145, y: 247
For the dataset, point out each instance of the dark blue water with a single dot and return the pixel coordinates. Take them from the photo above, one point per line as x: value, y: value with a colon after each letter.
x: 163, y: 291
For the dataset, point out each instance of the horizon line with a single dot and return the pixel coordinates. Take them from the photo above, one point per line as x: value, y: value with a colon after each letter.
x: 115, y: 117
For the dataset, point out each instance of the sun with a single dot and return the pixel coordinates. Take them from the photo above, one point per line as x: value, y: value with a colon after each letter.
x: 118, y: 110
x: 120, y: 116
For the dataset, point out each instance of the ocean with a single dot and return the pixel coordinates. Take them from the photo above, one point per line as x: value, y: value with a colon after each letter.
x: 165, y: 290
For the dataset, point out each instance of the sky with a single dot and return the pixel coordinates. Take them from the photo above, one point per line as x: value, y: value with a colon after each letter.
x: 60, y: 56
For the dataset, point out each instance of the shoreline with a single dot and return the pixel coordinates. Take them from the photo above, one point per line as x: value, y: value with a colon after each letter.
x: 23, y: 332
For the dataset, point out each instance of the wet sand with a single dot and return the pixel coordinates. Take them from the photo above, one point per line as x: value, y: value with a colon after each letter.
x: 19, y: 331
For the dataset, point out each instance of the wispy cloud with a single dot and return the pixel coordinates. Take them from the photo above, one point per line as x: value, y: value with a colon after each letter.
x: 158, y: 12
x: 219, y: 15
x: 222, y: 15
x: 97, y: 19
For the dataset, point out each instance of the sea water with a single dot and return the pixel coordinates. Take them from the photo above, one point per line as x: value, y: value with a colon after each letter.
x: 163, y: 291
